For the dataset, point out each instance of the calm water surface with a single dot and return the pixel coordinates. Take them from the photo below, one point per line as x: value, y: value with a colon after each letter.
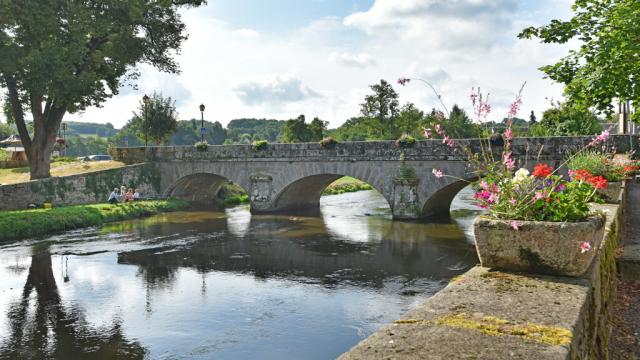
x: 225, y: 285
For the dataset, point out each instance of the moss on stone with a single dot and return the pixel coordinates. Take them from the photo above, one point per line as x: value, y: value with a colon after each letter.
x: 493, y: 326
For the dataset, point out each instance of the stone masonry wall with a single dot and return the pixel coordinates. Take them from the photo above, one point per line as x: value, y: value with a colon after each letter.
x: 80, y: 189
x: 486, y: 314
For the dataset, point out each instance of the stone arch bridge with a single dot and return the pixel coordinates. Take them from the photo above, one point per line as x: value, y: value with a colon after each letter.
x: 288, y: 177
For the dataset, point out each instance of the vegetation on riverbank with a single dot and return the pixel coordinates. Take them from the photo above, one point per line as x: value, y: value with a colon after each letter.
x: 345, y: 185
x: 16, y: 225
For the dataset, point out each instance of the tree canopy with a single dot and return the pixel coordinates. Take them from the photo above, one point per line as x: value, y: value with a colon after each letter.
x: 606, y: 66
x: 156, y: 120
x: 60, y: 56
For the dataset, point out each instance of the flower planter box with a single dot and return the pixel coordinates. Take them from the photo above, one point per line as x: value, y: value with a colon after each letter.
x: 538, y: 247
x: 611, y: 194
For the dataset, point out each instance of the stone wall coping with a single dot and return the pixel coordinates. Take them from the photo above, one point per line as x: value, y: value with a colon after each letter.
x: 486, y: 314
x: 553, y: 148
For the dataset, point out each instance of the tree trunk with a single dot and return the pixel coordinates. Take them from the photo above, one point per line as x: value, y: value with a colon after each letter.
x: 40, y: 159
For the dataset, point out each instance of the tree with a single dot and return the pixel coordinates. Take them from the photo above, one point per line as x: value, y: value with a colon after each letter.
x: 382, y: 107
x: 296, y: 131
x: 156, y: 120
x: 566, y: 120
x: 607, y: 65
x: 63, y: 56
x: 410, y: 121
x: 317, y: 129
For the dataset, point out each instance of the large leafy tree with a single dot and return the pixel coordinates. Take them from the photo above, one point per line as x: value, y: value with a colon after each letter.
x: 606, y: 66
x: 156, y: 120
x: 61, y: 56
x: 566, y: 120
x: 296, y: 131
x: 382, y: 107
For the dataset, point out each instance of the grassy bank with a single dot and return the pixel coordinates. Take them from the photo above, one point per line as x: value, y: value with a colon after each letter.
x: 59, y: 168
x: 15, y: 225
x: 345, y: 185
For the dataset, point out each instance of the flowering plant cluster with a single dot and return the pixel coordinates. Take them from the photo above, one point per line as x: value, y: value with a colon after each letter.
x: 511, y: 193
x: 600, y: 164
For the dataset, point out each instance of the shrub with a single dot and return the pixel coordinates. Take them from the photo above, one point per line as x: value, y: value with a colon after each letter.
x: 260, y: 144
x: 202, y: 145
x: 328, y: 142
x: 405, y: 141
x: 598, y: 164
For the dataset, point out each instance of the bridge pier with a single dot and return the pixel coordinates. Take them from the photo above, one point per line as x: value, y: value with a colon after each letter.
x: 405, y: 204
x: 261, y: 194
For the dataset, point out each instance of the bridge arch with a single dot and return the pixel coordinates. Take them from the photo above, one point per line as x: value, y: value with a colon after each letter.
x: 305, y: 190
x: 199, y: 187
x: 440, y: 201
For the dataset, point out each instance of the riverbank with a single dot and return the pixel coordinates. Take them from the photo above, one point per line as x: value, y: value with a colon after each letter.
x: 58, y: 168
x: 16, y: 225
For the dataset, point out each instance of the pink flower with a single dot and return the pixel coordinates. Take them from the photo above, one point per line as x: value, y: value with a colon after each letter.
x: 513, y: 202
x: 508, y: 161
x: 428, y: 133
x: 538, y: 196
x: 600, y: 138
x: 403, y: 81
x: 508, y: 134
x: 585, y: 247
x: 515, y: 225
x: 437, y: 173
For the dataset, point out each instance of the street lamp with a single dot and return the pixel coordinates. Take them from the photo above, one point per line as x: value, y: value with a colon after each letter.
x: 145, y: 100
x: 202, y: 129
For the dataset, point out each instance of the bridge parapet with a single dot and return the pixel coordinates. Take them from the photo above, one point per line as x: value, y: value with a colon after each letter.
x: 549, y: 148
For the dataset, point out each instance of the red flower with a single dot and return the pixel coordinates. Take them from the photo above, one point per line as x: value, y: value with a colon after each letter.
x: 580, y: 175
x: 598, y: 182
x: 542, y: 170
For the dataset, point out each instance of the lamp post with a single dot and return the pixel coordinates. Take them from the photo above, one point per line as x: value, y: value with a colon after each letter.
x: 202, y: 129
x: 145, y: 100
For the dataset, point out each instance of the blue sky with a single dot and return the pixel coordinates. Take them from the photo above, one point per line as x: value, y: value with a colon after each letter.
x: 282, y: 58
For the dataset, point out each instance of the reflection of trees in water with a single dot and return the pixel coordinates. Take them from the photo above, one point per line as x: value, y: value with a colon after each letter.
x: 41, y: 327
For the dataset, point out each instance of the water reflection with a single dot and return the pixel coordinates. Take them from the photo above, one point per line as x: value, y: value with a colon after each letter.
x: 223, y: 284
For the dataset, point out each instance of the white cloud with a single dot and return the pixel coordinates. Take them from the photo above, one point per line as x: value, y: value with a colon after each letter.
x: 353, y: 60
x: 453, y: 44
x: 279, y: 90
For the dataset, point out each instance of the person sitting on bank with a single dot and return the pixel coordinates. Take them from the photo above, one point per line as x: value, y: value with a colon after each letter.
x: 136, y: 195
x: 129, y: 196
x: 113, y: 197
x: 123, y: 194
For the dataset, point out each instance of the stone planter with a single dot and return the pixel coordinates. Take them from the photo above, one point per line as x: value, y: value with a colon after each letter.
x: 611, y: 194
x: 538, y: 247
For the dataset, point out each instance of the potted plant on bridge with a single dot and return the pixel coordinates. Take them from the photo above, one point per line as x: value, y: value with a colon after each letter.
x: 535, y: 222
x: 595, y: 164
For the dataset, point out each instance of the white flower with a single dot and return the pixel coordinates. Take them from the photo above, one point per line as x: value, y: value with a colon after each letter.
x: 520, y: 175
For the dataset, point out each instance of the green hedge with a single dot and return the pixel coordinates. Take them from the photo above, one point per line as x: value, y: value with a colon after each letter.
x: 15, y: 225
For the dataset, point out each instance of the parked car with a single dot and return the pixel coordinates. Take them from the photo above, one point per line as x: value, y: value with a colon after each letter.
x: 96, y: 158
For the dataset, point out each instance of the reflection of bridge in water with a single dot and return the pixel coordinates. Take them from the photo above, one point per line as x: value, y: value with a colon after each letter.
x: 305, y: 249
x: 291, y: 177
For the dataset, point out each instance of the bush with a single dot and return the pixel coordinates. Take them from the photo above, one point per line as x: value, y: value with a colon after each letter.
x: 405, y: 141
x: 260, y: 144
x: 328, y: 142
x: 202, y: 145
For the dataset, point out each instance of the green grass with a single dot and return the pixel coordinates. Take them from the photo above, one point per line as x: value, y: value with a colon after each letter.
x: 232, y: 200
x: 16, y: 225
x: 346, y: 184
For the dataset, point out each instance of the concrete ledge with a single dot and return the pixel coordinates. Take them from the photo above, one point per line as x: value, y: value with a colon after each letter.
x: 486, y: 314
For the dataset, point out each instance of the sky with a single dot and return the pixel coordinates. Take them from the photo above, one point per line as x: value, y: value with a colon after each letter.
x: 282, y: 58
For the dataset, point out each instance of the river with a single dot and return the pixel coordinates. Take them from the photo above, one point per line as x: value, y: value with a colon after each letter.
x: 226, y: 285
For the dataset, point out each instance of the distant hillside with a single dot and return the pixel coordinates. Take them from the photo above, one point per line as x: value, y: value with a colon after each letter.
x: 246, y: 130
x: 84, y: 128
